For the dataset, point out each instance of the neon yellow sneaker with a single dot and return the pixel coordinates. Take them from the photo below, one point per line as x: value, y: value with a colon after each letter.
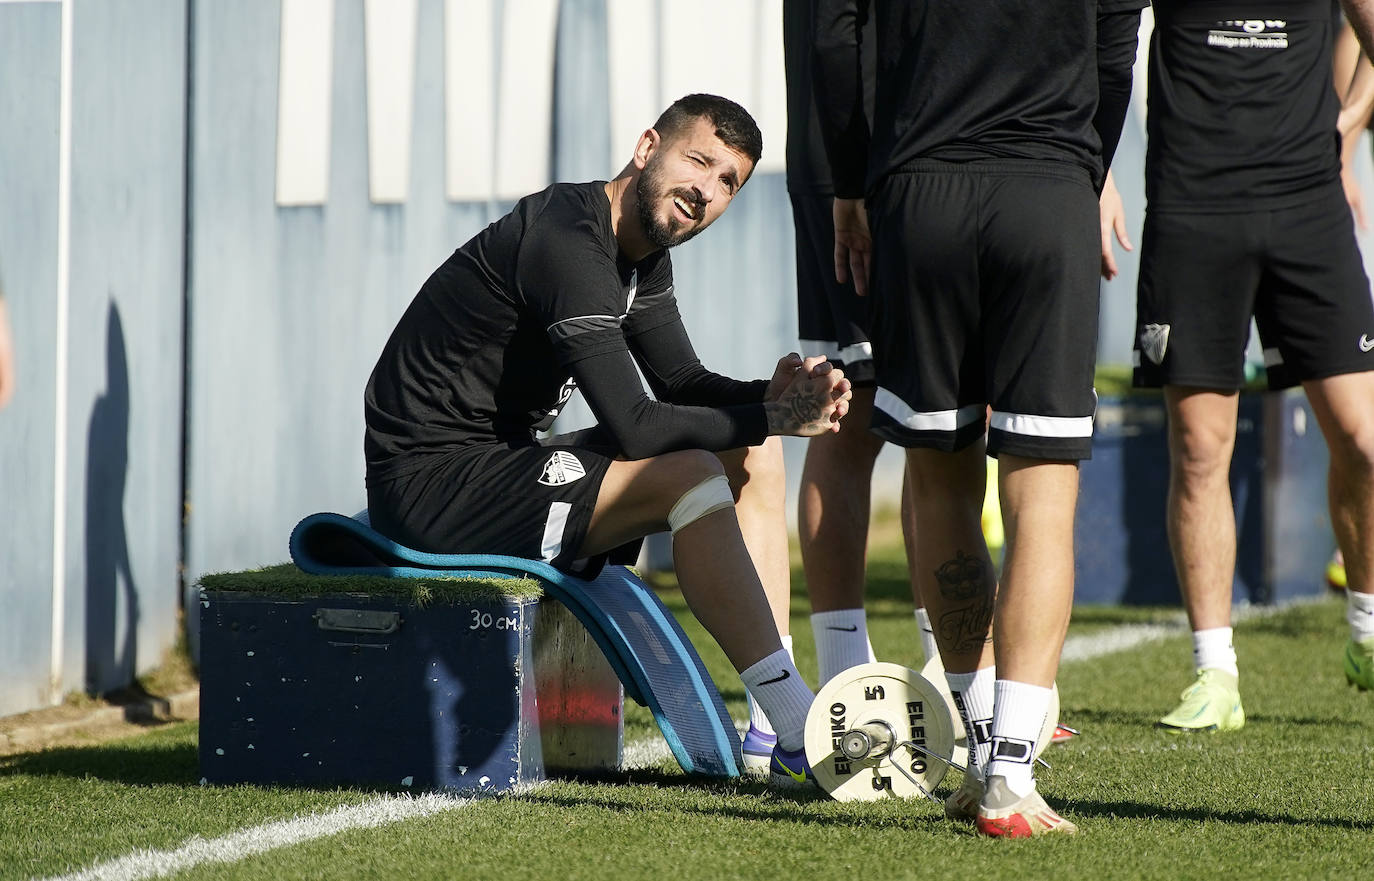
x: 1359, y: 663
x: 1335, y: 572
x: 1212, y: 703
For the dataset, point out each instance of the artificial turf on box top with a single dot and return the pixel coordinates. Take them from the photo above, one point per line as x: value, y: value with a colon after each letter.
x: 287, y: 581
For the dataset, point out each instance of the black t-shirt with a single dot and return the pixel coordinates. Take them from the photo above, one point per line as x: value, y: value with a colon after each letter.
x: 1242, y: 113
x: 959, y: 81
x: 808, y: 168
x: 539, y: 302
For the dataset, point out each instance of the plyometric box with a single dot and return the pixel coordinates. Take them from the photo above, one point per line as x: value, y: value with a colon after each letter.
x: 477, y: 695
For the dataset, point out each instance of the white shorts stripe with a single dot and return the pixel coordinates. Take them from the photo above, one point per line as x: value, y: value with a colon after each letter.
x: 553, y: 531
x: 1272, y: 357
x: 851, y: 354
x: 937, y: 420
x: 1043, y: 426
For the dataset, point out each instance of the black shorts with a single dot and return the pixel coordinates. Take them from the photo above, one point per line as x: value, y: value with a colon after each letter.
x: 832, y: 320
x: 985, y: 291
x: 1298, y: 271
x: 534, y: 502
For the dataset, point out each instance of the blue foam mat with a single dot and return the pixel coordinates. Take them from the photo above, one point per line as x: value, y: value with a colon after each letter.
x: 640, y: 638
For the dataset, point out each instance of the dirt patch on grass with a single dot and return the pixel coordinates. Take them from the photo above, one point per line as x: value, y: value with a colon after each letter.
x: 169, y: 693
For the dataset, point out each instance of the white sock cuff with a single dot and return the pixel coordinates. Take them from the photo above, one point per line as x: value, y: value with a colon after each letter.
x: 841, y: 618
x: 1017, y: 698
x: 1359, y: 614
x: 1213, y: 650
x: 928, y: 644
x: 1016, y: 727
x: 757, y: 717
x: 841, y: 641
x: 781, y: 693
x: 974, y: 696
x: 1362, y: 601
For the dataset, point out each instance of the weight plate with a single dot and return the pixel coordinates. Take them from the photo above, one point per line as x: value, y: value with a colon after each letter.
x: 892, y: 695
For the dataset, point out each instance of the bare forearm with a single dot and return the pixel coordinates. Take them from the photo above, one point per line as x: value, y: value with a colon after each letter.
x: 1357, y: 100
x: 1360, y: 14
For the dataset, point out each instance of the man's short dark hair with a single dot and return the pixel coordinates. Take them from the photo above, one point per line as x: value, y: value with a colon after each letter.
x: 734, y: 126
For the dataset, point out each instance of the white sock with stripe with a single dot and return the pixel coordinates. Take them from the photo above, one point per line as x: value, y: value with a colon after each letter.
x: 974, y: 696
x: 1017, y: 720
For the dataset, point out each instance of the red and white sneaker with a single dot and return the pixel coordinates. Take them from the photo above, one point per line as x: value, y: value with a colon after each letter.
x: 962, y: 803
x: 1004, y: 814
x: 1063, y: 733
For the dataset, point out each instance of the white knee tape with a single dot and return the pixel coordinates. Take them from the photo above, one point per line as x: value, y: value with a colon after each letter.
x: 706, y: 497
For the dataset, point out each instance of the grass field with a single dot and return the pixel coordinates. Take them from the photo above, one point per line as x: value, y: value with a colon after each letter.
x: 1291, y: 795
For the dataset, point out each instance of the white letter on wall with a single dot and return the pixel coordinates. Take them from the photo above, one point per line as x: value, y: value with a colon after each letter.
x: 389, y: 27
x: 524, y: 127
x: 469, y: 104
x: 635, y: 98
x: 742, y: 62
x: 304, y: 92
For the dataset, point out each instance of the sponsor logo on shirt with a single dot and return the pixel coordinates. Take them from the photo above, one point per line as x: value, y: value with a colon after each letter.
x: 1250, y: 33
x: 562, y: 467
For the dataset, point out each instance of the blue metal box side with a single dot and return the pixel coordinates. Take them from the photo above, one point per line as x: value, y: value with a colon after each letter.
x: 1121, y: 538
x: 438, y: 703
x: 1297, y: 519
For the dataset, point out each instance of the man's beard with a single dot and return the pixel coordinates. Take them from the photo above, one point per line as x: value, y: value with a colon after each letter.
x: 648, y: 193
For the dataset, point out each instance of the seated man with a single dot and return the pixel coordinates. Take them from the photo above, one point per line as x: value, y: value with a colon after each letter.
x: 573, y: 288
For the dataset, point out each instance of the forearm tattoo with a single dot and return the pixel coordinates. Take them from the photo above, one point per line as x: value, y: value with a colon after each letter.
x: 796, y: 411
x: 967, y: 587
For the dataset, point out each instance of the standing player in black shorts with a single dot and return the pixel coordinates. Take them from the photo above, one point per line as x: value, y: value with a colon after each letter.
x: 978, y: 176
x: 575, y: 288
x: 1246, y: 217
x: 834, y: 497
x: 833, y: 510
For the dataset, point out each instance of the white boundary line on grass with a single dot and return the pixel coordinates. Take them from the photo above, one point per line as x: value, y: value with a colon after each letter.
x: 269, y: 836
x: 1128, y: 636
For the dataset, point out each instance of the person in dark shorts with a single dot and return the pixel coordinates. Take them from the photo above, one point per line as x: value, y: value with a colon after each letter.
x: 972, y: 196
x: 1246, y: 216
x: 574, y: 288
x: 834, y: 497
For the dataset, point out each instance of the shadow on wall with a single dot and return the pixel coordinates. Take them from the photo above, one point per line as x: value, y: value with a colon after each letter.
x: 111, y: 656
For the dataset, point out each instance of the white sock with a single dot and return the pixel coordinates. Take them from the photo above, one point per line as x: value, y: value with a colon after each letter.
x: 841, y: 641
x: 973, y: 695
x: 779, y: 689
x: 1359, y: 611
x: 928, y: 645
x: 757, y: 717
x: 1212, y: 650
x: 1016, y: 725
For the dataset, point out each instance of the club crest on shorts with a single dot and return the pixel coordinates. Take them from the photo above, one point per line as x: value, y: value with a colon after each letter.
x: 1154, y: 339
x: 562, y: 467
